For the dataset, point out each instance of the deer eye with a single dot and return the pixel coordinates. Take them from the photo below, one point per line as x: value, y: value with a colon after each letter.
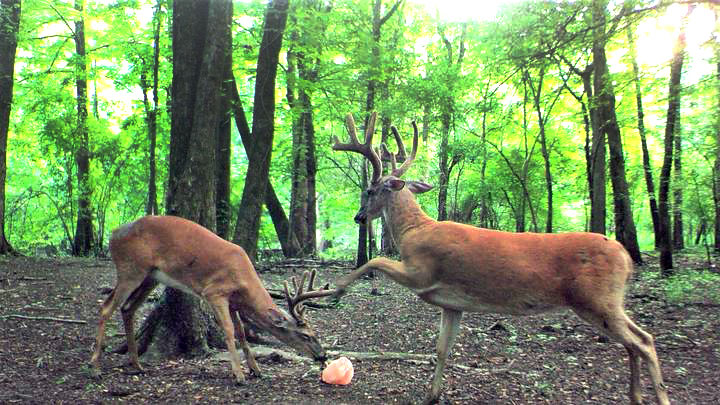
x: 370, y: 191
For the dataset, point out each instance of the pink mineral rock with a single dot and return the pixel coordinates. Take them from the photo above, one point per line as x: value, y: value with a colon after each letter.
x: 338, y: 372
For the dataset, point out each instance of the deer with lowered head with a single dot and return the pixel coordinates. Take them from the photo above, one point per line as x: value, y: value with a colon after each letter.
x: 461, y: 268
x: 184, y: 255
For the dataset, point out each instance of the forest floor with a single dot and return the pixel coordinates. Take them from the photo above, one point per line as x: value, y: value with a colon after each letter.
x: 554, y: 358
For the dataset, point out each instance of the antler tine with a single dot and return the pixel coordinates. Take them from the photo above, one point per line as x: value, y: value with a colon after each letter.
x: 364, y: 149
x: 312, y: 279
x: 297, y: 310
x: 291, y: 301
x: 408, y: 161
x: 399, y: 142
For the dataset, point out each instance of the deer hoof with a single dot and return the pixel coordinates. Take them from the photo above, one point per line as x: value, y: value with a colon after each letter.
x: 240, y: 379
x: 431, y: 399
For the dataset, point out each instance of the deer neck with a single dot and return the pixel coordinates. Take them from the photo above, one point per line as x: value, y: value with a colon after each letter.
x: 403, y: 213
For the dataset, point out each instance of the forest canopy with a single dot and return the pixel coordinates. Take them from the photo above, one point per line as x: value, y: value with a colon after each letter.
x: 515, y: 109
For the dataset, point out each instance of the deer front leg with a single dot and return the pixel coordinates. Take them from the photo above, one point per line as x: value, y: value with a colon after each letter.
x: 391, y: 268
x: 249, y: 357
x: 449, y: 326
x: 222, y: 312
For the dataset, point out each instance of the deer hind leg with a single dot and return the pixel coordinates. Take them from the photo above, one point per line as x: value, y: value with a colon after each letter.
x: 123, y: 289
x: 128, y: 312
x: 249, y: 357
x: 639, y: 345
x: 449, y: 326
x: 222, y: 312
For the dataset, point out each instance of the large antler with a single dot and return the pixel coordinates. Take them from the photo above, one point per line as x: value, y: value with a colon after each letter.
x: 401, y: 155
x: 364, y: 149
x: 297, y: 310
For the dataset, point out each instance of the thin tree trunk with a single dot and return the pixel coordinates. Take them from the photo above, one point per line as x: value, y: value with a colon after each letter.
x: 543, y: 145
x: 223, y: 213
x: 647, y: 166
x: 288, y: 241
x: 310, y: 242
x: 598, y: 204
x: 677, y: 228
x: 247, y: 228
x: 624, y: 223
x: 151, y: 207
x: 598, y: 207
x: 716, y: 172
x: 299, y: 178
x: 10, y: 15
x: 82, y: 244
x: 666, y: 251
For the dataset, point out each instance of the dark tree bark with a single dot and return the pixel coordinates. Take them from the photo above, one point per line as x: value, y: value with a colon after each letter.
x: 605, y: 95
x: 447, y: 116
x: 179, y: 325
x: 598, y: 204
x: 288, y: 242
x: 151, y: 206
x: 678, y: 240
x: 10, y: 18
x: 716, y: 172
x: 82, y: 243
x: 303, y: 203
x: 248, y: 223
x: 223, y: 153
x: 673, y: 112
x: 543, y: 112
x: 647, y: 165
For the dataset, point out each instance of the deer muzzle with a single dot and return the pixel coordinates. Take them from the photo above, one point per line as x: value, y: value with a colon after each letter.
x: 361, y: 217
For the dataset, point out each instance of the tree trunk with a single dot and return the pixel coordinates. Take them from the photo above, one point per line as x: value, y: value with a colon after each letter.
x: 10, y: 15
x: 299, y: 178
x: 598, y: 204
x: 677, y: 227
x: 223, y: 153
x: 288, y: 242
x: 716, y: 172
x: 310, y: 247
x: 151, y: 206
x: 223, y: 213
x: 598, y: 211
x: 447, y: 115
x: 247, y: 227
x: 82, y: 243
x: 647, y: 166
x: 180, y: 324
x: 543, y: 145
x: 624, y: 223
x: 666, y: 259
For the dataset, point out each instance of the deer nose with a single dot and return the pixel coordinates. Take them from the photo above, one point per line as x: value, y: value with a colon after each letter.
x: 360, y: 218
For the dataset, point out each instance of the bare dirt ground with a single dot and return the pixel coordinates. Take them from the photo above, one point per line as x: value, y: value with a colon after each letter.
x: 554, y: 358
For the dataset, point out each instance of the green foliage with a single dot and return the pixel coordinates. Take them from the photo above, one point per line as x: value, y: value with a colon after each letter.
x: 690, y: 286
x: 491, y: 136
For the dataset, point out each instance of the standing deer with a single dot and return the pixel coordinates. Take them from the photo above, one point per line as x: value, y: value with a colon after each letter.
x: 460, y: 268
x: 184, y: 255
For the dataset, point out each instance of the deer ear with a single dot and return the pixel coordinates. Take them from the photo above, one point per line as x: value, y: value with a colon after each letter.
x: 418, y: 187
x: 395, y: 184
